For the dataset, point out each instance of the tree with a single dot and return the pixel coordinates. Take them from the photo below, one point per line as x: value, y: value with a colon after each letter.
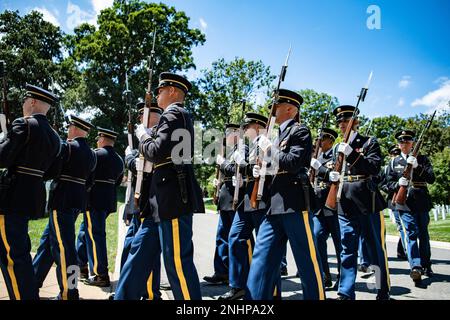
x: 440, y: 189
x: 32, y: 49
x: 222, y: 88
x: 121, y: 44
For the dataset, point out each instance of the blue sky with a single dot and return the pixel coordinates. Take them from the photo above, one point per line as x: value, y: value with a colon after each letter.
x: 333, y: 49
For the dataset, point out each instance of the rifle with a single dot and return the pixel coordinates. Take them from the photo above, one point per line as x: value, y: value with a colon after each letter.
x: 237, y: 174
x: 145, y: 166
x: 339, y: 166
x: 317, y: 148
x: 400, y: 196
x: 219, y: 173
x: 369, y: 128
x: 258, y: 187
x: 4, y: 117
x: 127, y: 97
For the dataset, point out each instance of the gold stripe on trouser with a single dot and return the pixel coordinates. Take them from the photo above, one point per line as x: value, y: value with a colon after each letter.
x: 383, y: 246
x: 62, y: 256
x: 313, y: 255
x: 250, y: 251
x: 149, y: 287
x: 10, y: 266
x: 275, y: 291
x: 94, y: 247
x: 177, y: 259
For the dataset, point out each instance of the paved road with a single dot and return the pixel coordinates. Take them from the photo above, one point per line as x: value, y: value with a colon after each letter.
x: 437, y: 287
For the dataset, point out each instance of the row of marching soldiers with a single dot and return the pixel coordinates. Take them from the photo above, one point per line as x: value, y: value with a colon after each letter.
x: 292, y: 210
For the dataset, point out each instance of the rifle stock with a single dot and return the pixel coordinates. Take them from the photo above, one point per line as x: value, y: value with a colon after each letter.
x: 5, y: 105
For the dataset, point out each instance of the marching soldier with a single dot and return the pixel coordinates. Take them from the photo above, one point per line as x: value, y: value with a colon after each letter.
x: 174, y: 192
x: 68, y: 197
x: 91, y: 243
x: 414, y: 215
x: 141, y: 256
x: 27, y: 152
x: 360, y: 206
x: 246, y: 218
x: 288, y: 217
x: 226, y: 216
x: 394, y: 151
x: 326, y: 222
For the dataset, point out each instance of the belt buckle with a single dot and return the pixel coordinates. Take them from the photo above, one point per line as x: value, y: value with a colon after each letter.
x: 349, y: 178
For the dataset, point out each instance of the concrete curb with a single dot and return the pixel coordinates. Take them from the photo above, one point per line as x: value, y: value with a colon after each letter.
x: 434, y: 244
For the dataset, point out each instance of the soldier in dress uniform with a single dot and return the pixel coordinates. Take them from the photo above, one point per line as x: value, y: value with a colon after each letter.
x: 394, y: 151
x: 326, y: 221
x: 360, y: 206
x: 414, y: 214
x: 174, y: 192
x: 246, y: 218
x: 141, y: 256
x: 27, y: 152
x: 226, y: 215
x: 91, y: 242
x: 68, y: 197
x: 288, y: 217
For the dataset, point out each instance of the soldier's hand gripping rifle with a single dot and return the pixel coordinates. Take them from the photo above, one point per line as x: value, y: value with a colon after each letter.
x: 400, y: 196
x: 4, y: 115
x: 128, y: 193
x: 240, y: 147
x: 259, y: 182
x: 142, y: 165
x: 339, y: 166
x: 317, y: 148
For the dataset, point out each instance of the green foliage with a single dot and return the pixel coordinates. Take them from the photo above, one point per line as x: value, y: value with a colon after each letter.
x: 440, y: 189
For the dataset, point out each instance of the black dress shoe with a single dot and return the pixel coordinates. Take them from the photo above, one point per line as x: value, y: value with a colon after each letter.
x: 233, y: 294
x: 283, y: 272
x: 327, y: 281
x: 364, y: 269
x: 216, y: 279
x: 428, y: 272
x: 98, y: 281
x: 416, y: 274
x: 384, y: 296
x: 342, y: 297
x: 402, y: 256
x: 84, y: 272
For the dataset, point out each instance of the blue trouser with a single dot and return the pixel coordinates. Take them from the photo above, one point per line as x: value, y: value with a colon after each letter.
x: 141, y: 273
x: 372, y: 226
x: 221, y: 254
x: 178, y: 253
x: 324, y: 226
x: 94, y: 242
x: 15, y: 258
x: 415, y: 226
x: 58, y: 245
x: 401, y: 231
x: 241, y: 244
x: 129, y: 237
x: 272, y: 238
x: 364, y: 254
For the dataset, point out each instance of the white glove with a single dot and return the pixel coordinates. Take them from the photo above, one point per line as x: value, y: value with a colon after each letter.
x: 345, y: 148
x: 334, y: 176
x: 315, y: 164
x: 264, y: 143
x: 128, y: 151
x: 256, y: 171
x: 238, y: 158
x: 140, y: 131
x: 215, y: 182
x: 220, y: 159
x: 403, y: 182
x: 412, y: 161
x: 233, y: 181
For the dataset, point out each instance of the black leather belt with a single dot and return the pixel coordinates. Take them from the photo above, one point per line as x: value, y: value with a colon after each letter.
x: 355, y: 178
x: 109, y: 181
x: 419, y: 184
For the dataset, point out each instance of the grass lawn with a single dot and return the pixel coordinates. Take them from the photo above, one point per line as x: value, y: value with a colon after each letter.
x: 439, y: 230
x: 36, y: 227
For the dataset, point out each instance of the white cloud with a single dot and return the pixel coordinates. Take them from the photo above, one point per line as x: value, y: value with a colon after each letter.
x: 404, y: 82
x: 203, y: 24
x: 76, y: 16
x: 437, y: 99
x: 401, y: 102
x: 99, y: 5
x: 48, y: 16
